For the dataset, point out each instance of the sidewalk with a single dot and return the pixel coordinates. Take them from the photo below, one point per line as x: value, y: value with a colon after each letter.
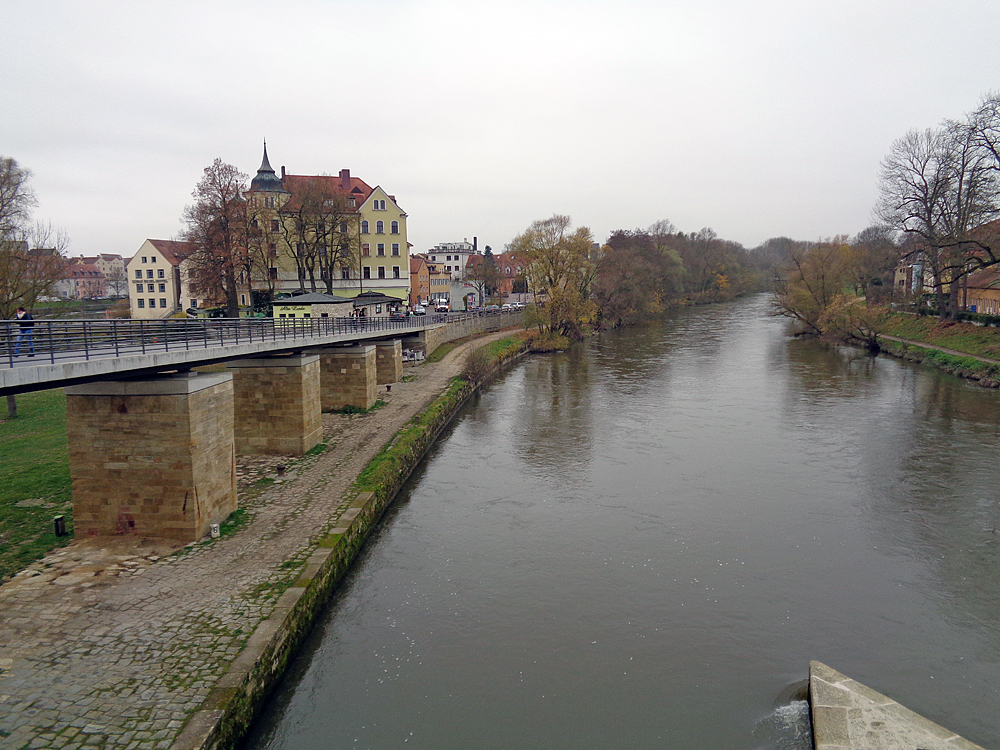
x: 114, y: 644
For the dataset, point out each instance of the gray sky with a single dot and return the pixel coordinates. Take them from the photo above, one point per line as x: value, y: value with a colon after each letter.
x: 757, y: 119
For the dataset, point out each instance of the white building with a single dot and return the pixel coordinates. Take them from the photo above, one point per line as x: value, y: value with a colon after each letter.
x: 454, y: 256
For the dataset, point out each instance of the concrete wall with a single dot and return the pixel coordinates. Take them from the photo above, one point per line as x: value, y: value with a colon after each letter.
x: 389, y: 361
x: 152, y: 457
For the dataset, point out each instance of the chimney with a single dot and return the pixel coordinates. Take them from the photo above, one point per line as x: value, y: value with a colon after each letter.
x: 345, y: 179
x: 282, y: 172
x: 475, y: 245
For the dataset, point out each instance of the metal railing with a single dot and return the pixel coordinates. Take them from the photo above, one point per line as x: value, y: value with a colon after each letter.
x: 50, y: 341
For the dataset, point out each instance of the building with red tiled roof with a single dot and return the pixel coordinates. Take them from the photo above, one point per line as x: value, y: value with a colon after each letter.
x: 369, y: 226
x: 158, y: 280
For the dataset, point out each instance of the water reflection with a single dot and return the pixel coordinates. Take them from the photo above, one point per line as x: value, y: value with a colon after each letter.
x: 640, y: 542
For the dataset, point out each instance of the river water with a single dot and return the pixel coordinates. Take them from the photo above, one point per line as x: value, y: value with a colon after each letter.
x: 642, y: 543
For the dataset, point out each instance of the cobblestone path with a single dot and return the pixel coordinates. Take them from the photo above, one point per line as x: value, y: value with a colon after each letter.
x: 112, y: 644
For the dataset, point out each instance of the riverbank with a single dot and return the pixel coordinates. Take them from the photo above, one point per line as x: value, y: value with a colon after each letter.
x: 962, y: 349
x: 130, y: 643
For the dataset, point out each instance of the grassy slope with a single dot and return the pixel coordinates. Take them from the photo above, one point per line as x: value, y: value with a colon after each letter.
x: 980, y: 341
x: 35, y: 463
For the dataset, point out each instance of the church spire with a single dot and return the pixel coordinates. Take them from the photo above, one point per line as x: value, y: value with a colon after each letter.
x: 266, y: 180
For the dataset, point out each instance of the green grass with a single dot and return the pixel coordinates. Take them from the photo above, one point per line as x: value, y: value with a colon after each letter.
x: 438, y: 354
x: 980, y: 341
x: 33, y: 453
x: 385, y: 469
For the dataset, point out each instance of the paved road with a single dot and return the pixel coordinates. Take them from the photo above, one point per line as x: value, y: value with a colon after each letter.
x: 115, y: 646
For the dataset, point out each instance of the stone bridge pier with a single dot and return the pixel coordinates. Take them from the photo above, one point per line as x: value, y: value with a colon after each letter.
x: 155, y: 456
x: 152, y: 456
x: 277, y: 404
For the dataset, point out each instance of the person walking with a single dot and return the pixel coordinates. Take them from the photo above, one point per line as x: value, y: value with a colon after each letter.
x: 25, y: 332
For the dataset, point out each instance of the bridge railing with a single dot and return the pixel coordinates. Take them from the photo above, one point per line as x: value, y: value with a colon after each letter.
x: 55, y: 340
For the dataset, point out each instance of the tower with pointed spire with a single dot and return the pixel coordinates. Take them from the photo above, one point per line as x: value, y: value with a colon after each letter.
x: 266, y: 180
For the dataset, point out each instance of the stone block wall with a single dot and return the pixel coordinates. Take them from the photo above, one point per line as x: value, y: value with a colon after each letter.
x: 277, y: 404
x: 389, y: 361
x: 152, y: 457
x: 348, y: 376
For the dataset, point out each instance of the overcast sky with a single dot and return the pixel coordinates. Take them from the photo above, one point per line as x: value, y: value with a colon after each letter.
x: 757, y: 118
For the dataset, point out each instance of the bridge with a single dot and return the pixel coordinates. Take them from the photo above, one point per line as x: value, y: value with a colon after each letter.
x: 153, y: 441
x: 64, y: 353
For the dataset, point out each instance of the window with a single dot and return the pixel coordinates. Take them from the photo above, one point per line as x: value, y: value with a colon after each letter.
x: 381, y: 272
x: 447, y: 268
x: 153, y: 259
x: 138, y: 288
x: 394, y: 227
x: 272, y: 272
x: 366, y: 272
x: 381, y: 249
x: 395, y: 249
x: 143, y: 258
x: 272, y: 250
x: 159, y: 273
x: 194, y: 304
x: 364, y: 227
x: 275, y: 225
x: 150, y: 288
x: 149, y: 273
x: 163, y: 302
x: 138, y: 274
x: 142, y: 303
x: 162, y: 289
x: 378, y: 205
x: 379, y: 227
x: 366, y: 249
x: 345, y: 273
x: 395, y: 272
x: 243, y: 299
x: 343, y: 227
x: 447, y: 257
x: 378, y: 309
x: 269, y: 201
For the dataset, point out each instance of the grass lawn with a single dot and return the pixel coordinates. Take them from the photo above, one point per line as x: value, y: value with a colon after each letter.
x: 981, y: 341
x: 34, y: 483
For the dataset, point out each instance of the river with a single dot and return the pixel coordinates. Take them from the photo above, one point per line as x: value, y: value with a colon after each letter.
x: 642, y: 542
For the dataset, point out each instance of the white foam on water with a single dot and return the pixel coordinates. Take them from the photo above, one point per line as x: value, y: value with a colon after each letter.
x: 788, y: 727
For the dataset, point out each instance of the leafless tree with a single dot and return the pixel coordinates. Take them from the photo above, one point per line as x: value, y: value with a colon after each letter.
x: 217, y: 223
x: 941, y: 186
x: 320, y: 232
x: 31, y: 252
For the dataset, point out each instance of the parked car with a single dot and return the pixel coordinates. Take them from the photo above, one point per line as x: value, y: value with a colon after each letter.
x: 419, y: 310
x: 492, y: 309
x: 397, y: 315
x: 506, y: 306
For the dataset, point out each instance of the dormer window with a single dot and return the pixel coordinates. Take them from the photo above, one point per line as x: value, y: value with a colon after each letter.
x: 352, y: 203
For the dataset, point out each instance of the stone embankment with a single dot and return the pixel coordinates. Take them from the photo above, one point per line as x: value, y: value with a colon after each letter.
x: 129, y: 643
x: 847, y: 715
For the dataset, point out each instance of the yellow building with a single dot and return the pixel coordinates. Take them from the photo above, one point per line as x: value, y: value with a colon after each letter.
x: 302, y: 219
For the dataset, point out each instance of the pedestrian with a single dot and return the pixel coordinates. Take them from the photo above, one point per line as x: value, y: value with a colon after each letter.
x: 25, y: 332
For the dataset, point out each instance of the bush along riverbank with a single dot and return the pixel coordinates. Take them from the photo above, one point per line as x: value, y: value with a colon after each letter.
x: 232, y: 705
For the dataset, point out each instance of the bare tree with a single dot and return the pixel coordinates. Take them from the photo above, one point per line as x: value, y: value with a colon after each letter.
x: 941, y: 186
x: 217, y: 223
x: 31, y: 252
x: 117, y: 281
